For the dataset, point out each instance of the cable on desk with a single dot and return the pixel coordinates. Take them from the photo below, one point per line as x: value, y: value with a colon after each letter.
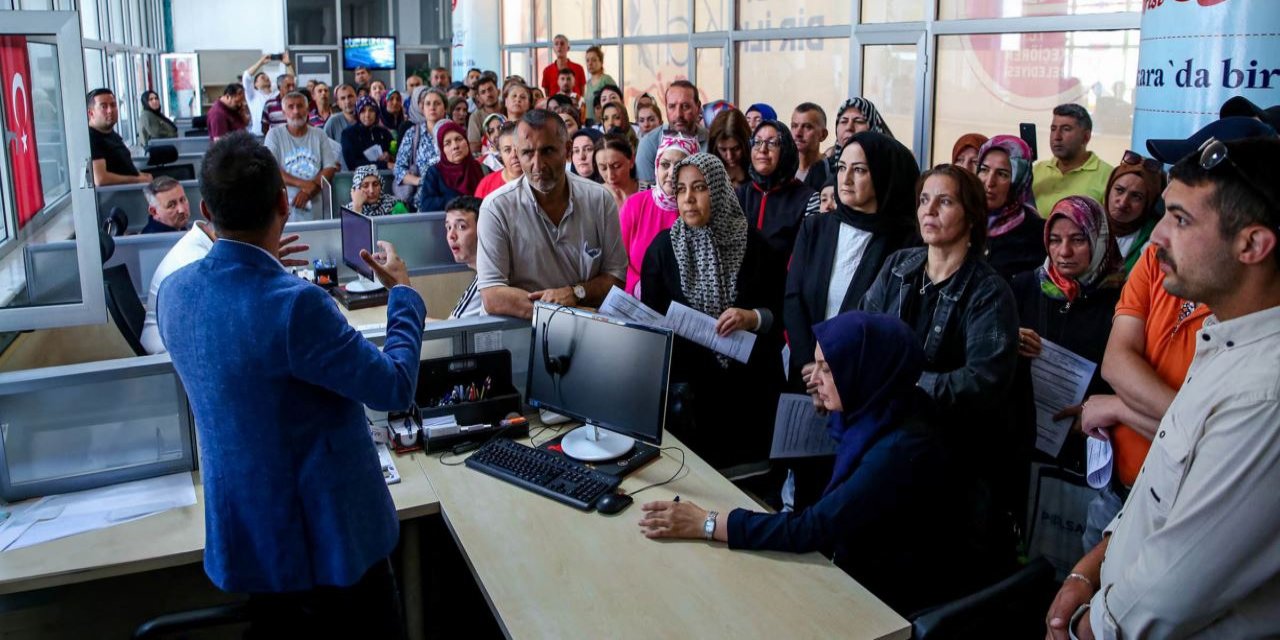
x: 533, y: 436
x: 668, y: 480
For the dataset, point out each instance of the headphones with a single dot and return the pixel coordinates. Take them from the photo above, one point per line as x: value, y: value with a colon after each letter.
x: 556, y: 365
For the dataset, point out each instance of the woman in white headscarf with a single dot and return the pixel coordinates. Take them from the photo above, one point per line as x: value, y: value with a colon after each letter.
x: 712, y: 261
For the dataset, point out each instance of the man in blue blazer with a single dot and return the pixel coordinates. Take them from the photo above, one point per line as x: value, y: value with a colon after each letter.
x: 296, y: 509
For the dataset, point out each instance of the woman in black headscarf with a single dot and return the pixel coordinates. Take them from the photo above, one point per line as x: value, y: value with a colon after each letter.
x: 775, y: 202
x: 837, y: 257
x: 152, y: 123
x: 881, y: 517
x: 712, y: 261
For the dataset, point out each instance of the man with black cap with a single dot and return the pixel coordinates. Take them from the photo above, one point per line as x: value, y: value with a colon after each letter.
x: 1194, y: 551
x: 1240, y: 106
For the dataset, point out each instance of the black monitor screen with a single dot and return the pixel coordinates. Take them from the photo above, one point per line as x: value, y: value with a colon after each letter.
x: 616, y: 376
x: 369, y: 52
x: 357, y: 234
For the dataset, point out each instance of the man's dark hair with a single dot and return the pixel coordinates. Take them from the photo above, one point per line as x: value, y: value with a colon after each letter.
x: 240, y: 183
x: 560, y: 100
x: 486, y: 79
x: 685, y: 84
x: 361, y: 67
x: 435, y: 69
x: 566, y: 72
x: 475, y: 69
x: 1073, y: 110
x: 464, y: 203
x: 542, y: 118
x: 809, y: 107
x: 489, y: 73
x: 973, y: 200
x: 1239, y: 202
x: 100, y: 91
x: 233, y: 89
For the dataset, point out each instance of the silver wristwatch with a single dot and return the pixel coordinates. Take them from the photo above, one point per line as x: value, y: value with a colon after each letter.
x: 709, y: 526
x: 580, y: 292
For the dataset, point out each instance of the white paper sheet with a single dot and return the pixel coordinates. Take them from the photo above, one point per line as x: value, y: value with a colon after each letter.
x: 1098, y: 462
x: 1059, y: 379
x: 373, y: 152
x: 700, y: 328
x: 798, y: 430
x: 59, y: 516
x: 624, y: 306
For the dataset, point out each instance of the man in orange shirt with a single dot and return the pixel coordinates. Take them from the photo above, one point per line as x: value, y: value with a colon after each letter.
x: 1150, y: 349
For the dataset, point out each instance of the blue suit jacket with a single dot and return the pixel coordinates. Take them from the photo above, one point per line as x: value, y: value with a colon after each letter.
x: 294, y: 495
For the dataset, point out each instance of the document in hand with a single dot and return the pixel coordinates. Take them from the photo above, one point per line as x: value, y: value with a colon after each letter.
x: 688, y: 323
x: 1059, y: 379
x: 373, y: 152
x: 798, y: 430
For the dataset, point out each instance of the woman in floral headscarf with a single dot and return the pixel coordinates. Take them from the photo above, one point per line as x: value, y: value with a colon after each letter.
x: 367, y: 195
x: 647, y: 213
x: 1014, y: 228
x: 713, y: 261
x: 1071, y: 298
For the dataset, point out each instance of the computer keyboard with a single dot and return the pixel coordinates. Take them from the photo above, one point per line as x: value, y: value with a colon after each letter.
x: 542, y: 472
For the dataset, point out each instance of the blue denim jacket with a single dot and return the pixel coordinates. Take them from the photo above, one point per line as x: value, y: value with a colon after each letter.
x: 971, y: 352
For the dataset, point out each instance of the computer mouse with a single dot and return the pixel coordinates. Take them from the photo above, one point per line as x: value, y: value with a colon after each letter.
x: 611, y: 503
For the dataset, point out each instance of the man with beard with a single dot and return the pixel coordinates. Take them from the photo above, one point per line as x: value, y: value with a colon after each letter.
x: 684, y: 115
x: 305, y: 155
x: 548, y: 235
x: 486, y: 104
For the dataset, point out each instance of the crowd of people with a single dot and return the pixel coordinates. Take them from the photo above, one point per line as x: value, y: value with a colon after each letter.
x: 909, y: 305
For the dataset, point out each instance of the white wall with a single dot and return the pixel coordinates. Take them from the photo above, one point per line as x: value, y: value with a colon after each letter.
x: 228, y: 24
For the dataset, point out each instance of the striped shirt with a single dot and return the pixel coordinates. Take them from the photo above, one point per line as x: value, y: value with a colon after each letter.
x: 469, y: 304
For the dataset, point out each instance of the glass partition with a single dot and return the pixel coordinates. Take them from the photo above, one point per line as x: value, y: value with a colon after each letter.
x: 45, y: 182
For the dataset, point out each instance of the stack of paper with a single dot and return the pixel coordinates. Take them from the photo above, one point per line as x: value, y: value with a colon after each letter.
x: 688, y: 323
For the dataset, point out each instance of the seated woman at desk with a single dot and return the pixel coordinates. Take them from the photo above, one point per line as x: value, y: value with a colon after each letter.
x: 365, y: 134
x: 712, y: 261
x: 893, y: 484
x: 367, y: 196
x: 456, y: 174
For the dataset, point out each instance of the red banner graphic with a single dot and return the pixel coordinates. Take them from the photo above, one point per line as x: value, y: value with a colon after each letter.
x: 20, y: 127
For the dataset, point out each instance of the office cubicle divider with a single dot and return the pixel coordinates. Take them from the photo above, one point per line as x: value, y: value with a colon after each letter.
x: 184, y: 145
x: 196, y: 160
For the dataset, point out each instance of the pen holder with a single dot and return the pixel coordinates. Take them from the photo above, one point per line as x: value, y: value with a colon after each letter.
x: 474, y: 388
x: 326, y: 273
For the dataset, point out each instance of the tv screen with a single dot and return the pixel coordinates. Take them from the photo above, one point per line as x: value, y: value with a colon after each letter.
x: 369, y: 52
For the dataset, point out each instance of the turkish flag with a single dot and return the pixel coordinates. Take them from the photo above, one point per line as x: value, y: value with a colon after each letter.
x: 20, y: 127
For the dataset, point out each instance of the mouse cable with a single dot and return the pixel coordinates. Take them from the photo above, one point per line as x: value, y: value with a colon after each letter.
x: 668, y: 480
x: 467, y: 447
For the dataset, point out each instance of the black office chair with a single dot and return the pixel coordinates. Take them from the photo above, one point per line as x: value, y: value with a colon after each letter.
x: 114, y: 223
x: 126, y: 310
x: 199, y: 128
x: 1011, y: 608
x: 184, y: 621
x: 159, y: 163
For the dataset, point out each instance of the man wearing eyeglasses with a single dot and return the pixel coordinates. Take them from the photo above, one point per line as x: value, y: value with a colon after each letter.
x: 1073, y: 170
x: 684, y: 115
x: 1196, y: 549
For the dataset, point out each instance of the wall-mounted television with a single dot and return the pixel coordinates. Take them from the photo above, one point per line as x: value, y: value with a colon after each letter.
x: 372, y: 52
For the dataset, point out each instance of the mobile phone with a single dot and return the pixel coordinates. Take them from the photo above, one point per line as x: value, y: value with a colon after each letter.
x: 277, y: 56
x: 1027, y: 131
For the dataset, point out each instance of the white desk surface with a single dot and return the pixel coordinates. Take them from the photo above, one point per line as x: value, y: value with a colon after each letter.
x: 551, y: 571
x: 167, y: 539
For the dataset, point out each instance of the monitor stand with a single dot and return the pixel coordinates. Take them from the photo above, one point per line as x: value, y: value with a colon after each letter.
x: 590, y: 443
x: 362, y: 285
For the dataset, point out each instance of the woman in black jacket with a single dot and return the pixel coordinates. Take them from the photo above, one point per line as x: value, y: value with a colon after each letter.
x: 965, y: 317
x: 893, y: 514
x: 836, y: 257
x: 775, y: 202
x: 364, y: 134
x: 711, y: 261
x: 1069, y: 301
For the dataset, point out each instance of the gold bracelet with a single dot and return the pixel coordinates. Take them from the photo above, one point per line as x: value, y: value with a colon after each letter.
x: 1083, y: 579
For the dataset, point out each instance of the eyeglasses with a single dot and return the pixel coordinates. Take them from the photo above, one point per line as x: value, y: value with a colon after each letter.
x: 1150, y: 164
x: 772, y: 144
x: 1214, y: 152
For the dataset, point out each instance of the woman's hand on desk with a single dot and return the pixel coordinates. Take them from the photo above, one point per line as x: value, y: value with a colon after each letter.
x: 734, y: 319
x: 667, y: 519
x: 387, y: 265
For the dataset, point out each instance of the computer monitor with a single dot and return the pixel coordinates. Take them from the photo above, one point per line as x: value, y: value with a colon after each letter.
x: 369, y: 52
x: 609, y: 374
x: 357, y: 234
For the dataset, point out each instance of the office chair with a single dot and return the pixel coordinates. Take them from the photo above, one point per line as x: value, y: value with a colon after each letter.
x: 1011, y: 608
x: 199, y: 128
x: 126, y: 310
x: 114, y: 223
x: 184, y: 621
x: 159, y: 159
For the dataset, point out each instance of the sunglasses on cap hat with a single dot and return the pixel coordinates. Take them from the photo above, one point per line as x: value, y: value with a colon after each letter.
x: 1135, y: 158
x: 1214, y: 154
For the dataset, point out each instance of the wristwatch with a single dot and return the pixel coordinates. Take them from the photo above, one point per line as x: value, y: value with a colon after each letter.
x: 709, y: 526
x: 579, y: 292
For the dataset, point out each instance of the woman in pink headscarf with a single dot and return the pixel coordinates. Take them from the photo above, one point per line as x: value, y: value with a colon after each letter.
x: 648, y: 213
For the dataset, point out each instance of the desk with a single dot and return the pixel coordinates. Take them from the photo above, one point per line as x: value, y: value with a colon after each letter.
x: 551, y: 571
x: 439, y: 292
x: 176, y: 537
